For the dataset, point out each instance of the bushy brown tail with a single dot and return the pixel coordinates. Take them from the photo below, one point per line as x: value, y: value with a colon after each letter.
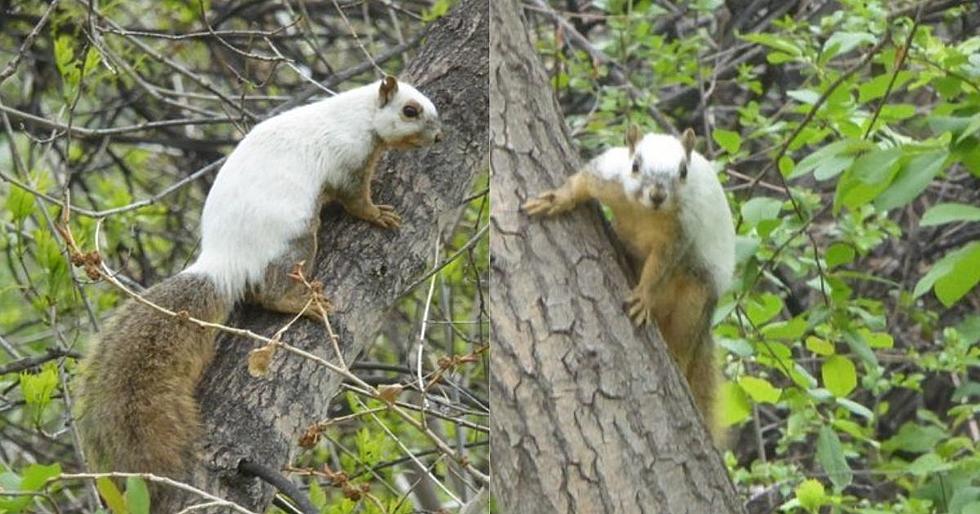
x: 136, y: 410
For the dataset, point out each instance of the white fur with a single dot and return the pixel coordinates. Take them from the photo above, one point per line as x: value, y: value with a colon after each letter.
x: 614, y: 164
x: 706, y: 218
x: 660, y: 154
x: 267, y: 192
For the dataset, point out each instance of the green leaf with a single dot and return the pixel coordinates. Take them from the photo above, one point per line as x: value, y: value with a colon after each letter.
x: 734, y: 405
x: 839, y: 254
x: 317, y: 496
x: 37, y: 388
x: 729, y: 140
x: 10, y: 481
x: 852, y: 428
x: 857, y: 343
x: 832, y: 166
x: 952, y: 276
x: 790, y: 330
x: 819, y: 346
x: 137, y: 496
x: 928, y: 464
x: 20, y: 203
x: 36, y: 475
x: 110, y: 493
x: 785, y: 166
x: 840, y: 43
x: 739, y: 347
x: 970, y: 129
x: 830, y: 455
x: 763, y: 309
x: 856, y: 408
x: 64, y: 54
x: 839, y: 375
x: 896, y: 112
x: 867, y: 178
x: 914, y: 438
x: 877, y: 339
x: 966, y: 500
x: 872, y: 167
x: 954, y: 124
x: 830, y: 160
x: 760, y: 390
x: 438, y: 10
x: 811, y: 495
x: 912, y: 178
x: 876, y: 87
x: 774, y: 42
x: 949, y: 213
x: 761, y: 208
x: 806, y: 96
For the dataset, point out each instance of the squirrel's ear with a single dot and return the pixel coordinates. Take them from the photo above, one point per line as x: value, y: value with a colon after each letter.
x: 632, y: 138
x: 389, y: 86
x: 688, y: 140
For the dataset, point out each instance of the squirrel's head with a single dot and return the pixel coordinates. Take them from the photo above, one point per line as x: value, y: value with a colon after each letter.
x: 405, y: 117
x: 659, y: 168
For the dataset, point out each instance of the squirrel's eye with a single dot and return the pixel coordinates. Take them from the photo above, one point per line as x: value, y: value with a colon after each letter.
x: 410, y: 111
x: 683, y: 170
x: 636, y: 167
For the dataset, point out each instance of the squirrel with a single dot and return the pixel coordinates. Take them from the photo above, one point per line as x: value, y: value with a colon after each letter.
x: 136, y: 410
x: 672, y: 216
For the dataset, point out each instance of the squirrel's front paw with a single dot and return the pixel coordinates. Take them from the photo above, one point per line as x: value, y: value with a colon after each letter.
x: 639, y: 308
x: 386, y: 217
x: 545, y: 203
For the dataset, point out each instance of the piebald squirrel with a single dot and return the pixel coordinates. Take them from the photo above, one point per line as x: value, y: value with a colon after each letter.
x: 136, y: 409
x: 672, y: 215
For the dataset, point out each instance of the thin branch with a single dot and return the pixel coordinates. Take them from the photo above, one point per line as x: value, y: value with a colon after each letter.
x: 11, y: 66
x: 156, y: 479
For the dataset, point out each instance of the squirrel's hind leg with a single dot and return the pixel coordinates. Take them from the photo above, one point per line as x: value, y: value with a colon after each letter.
x: 690, y: 309
x: 282, y: 290
x: 644, y: 302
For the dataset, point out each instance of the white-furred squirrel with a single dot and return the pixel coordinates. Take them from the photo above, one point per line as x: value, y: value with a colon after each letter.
x: 672, y: 215
x: 136, y: 409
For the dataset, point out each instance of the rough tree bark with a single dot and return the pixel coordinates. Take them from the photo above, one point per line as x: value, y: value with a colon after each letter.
x: 364, y: 271
x: 589, y: 414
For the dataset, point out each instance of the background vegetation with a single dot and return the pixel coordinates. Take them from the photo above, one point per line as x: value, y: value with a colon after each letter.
x: 847, y: 134
x: 123, y: 111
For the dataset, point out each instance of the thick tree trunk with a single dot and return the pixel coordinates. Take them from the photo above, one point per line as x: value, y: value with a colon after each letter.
x: 589, y: 415
x: 364, y: 271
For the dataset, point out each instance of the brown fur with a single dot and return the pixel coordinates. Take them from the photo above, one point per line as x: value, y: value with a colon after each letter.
x: 671, y: 290
x: 136, y: 410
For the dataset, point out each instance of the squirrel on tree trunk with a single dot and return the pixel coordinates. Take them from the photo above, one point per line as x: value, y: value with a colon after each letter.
x: 136, y: 410
x: 671, y: 213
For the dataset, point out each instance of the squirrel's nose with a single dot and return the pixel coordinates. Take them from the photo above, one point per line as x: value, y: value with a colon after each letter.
x: 657, y: 198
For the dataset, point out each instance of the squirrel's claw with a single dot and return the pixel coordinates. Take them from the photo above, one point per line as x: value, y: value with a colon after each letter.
x: 387, y: 217
x: 638, y: 310
x: 542, y: 204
